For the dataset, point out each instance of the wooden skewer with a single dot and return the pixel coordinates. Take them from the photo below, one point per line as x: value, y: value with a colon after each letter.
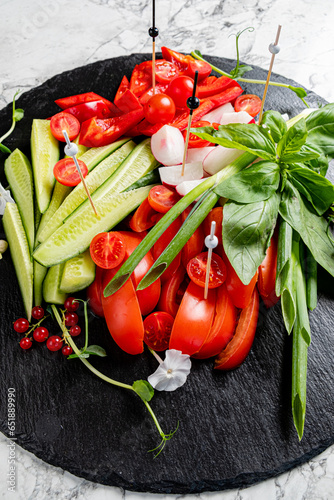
x: 192, y: 103
x: 274, y: 49
x: 211, y: 242
x: 153, y: 32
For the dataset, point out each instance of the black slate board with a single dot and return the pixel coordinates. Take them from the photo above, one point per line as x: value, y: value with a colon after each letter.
x: 235, y: 428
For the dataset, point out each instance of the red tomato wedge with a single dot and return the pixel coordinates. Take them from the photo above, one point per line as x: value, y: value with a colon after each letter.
x: 196, y: 269
x: 163, y: 242
x: 94, y: 293
x: 165, y: 71
x: 73, y: 100
x: 194, y: 140
x: 64, y: 121
x: 186, y: 63
x: 108, y: 249
x: 238, y: 348
x: 162, y: 198
x: 267, y: 274
x: 157, y: 330
x: 240, y: 294
x: 124, y: 85
x: 216, y: 214
x: 223, y: 326
x: 195, y: 244
x: 193, y: 320
x: 123, y: 316
x: 203, y: 68
x: 248, y: 102
x: 88, y: 110
x: 144, y: 217
x: 179, y: 89
x: 172, y: 291
x: 65, y: 171
x: 141, y: 78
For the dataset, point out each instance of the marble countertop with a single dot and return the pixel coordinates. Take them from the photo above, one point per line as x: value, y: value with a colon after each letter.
x: 41, y: 38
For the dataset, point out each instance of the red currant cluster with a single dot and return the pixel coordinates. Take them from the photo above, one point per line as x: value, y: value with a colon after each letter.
x: 40, y: 333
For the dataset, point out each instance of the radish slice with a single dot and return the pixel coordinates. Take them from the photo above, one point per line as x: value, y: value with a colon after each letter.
x: 216, y: 115
x: 219, y: 158
x: 172, y: 175
x: 238, y: 117
x: 198, y: 154
x: 168, y: 145
x: 186, y: 186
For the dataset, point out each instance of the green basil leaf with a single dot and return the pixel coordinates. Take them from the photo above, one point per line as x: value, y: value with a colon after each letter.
x: 305, y: 154
x: 18, y: 115
x: 247, y: 230
x: 320, y: 127
x: 97, y: 350
x: 319, y: 165
x: 144, y: 389
x: 311, y: 228
x: 82, y: 355
x: 240, y: 70
x: 293, y: 140
x: 276, y: 124
x: 4, y: 149
x: 247, y: 137
x: 317, y: 189
x: 256, y: 183
x: 299, y: 91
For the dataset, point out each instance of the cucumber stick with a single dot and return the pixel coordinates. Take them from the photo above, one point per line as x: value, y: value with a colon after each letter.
x: 39, y: 275
x: 93, y: 156
x: 44, y: 156
x: 78, y: 273
x: 75, y: 235
x: 93, y: 180
x: 20, y: 253
x: 60, y: 192
x: 51, y: 292
x: 19, y: 175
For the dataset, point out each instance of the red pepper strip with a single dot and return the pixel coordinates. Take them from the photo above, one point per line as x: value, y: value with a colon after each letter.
x: 88, y: 110
x: 212, y: 85
x: 124, y: 85
x: 141, y: 78
x: 181, y: 118
x: 145, y: 128
x: 128, y: 102
x: 68, y: 102
x: 228, y: 95
x: 163, y: 242
x: 96, y: 132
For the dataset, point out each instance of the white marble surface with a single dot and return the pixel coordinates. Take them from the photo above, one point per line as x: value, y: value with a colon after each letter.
x: 41, y: 38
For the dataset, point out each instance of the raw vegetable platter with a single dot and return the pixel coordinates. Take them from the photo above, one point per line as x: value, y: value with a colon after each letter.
x: 235, y: 428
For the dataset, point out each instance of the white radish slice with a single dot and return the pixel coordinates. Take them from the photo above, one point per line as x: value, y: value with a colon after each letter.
x: 238, y: 117
x: 186, y: 186
x: 168, y: 145
x: 219, y: 158
x: 171, y: 176
x: 216, y: 115
x: 198, y: 154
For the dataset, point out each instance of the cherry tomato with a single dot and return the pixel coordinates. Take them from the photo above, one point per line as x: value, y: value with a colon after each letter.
x: 267, y: 274
x: 94, y: 293
x: 64, y: 121
x: 144, y: 217
x: 240, y: 294
x: 203, y: 68
x: 172, y: 291
x: 216, y: 215
x: 160, y: 88
x: 179, y: 89
x: 193, y: 320
x: 248, y: 102
x: 165, y: 70
x: 194, y: 140
x: 195, y: 243
x: 196, y: 270
x: 160, y: 108
x: 223, y: 326
x: 163, y: 242
x: 66, y: 172
x: 157, y: 330
x: 162, y: 198
x: 238, y: 348
x: 107, y: 249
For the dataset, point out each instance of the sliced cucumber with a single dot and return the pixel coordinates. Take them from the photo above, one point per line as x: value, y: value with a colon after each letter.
x: 75, y: 235
x: 93, y: 180
x: 94, y: 156
x: 60, y: 192
x: 81, y: 149
x: 19, y: 250
x: 44, y: 155
x: 39, y: 275
x: 51, y: 292
x: 19, y: 175
x: 78, y: 273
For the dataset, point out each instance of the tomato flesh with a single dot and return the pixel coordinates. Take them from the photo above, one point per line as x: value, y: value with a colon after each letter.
x: 157, y: 330
x: 195, y: 243
x: 64, y: 121
x: 144, y: 217
x: 248, y: 102
x: 160, y: 108
x: 172, y: 291
x: 162, y: 198
x: 65, y: 171
x: 165, y: 71
x: 108, y: 249
x: 197, y: 266
x: 94, y: 293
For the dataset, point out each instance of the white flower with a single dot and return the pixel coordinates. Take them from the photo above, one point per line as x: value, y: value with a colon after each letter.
x: 172, y: 373
x: 4, y: 198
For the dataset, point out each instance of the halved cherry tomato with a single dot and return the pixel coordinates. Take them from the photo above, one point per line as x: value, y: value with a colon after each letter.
x: 64, y: 121
x: 213, y: 85
x: 141, y: 78
x: 123, y: 86
x: 238, y: 348
x: 179, y: 89
x: 94, y: 293
x: 66, y: 172
x: 163, y: 242
x: 240, y: 294
x: 157, y: 330
x: 203, y: 68
x: 160, y: 108
x: 223, y: 326
x: 144, y: 217
x: 180, y: 60
x: 267, y: 274
x: 108, y: 249
x: 195, y: 243
x: 248, y: 102
x: 216, y: 215
x: 173, y: 290
x: 162, y: 198
x: 194, y: 140
x: 196, y: 269
x: 193, y: 320
x: 165, y: 70
x: 88, y: 110
x: 73, y: 100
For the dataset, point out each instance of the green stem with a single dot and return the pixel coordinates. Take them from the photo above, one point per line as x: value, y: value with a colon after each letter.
x: 8, y: 133
x: 86, y: 326
x: 311, y: 280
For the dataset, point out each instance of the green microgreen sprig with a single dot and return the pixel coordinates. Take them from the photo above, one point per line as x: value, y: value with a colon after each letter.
x: 17, y: 115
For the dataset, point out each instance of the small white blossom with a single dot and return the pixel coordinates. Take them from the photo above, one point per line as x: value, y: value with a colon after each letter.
x: 171, y: 373
x: 4, y: 198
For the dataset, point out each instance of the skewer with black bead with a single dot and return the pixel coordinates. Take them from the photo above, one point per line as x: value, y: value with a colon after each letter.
x: 153, y: 32
x: 192, y: 103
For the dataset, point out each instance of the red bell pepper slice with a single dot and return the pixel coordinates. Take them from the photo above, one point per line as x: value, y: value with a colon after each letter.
x: 240, y: 294
x: 267, y: 274
x: 145, y: 128
x: 213, y: 85
x: 227, y: 95
x: 92, y: 109
x: 181, y: 118
x: 124, y: 85
x: 144, y: 217
x: 73, y: 100
x: 187, y: 64
x: 195, y: 244
x: 172, y: 291
x: 128, y: 102
x: 163, y: 242
x: 94, y: 293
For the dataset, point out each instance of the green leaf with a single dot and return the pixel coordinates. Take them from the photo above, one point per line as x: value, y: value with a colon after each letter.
x: 274, y: 121
x: 82, y: 355
x: 256, y: 183
x: 311, y: 227
x: 319, y: 165
x: 240, y: 70
x: 18, y: 115
x: 318, y: 190
x: 97, y: 350
x: 293, y: 140
x: 299, y: 91
x: 247, y: 137
x: 4, y: 149
x: 247, y: 230
x: 305, y: 154
x: 144, y: 389
x: 320, y: 127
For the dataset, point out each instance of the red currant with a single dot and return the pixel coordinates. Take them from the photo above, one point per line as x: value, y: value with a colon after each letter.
x: 71, y: 304
x: 54, y: 343
x: 71, y: 318
x: 37, y: 312
x: 67, y: 350
x: 75, y: 330
x: 21, y: 325
x: 41, y: 333
x: 25, y: 343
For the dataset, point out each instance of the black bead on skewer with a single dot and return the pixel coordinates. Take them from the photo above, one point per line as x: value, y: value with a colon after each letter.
x: 193, y: 101
x: 153, y: 31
